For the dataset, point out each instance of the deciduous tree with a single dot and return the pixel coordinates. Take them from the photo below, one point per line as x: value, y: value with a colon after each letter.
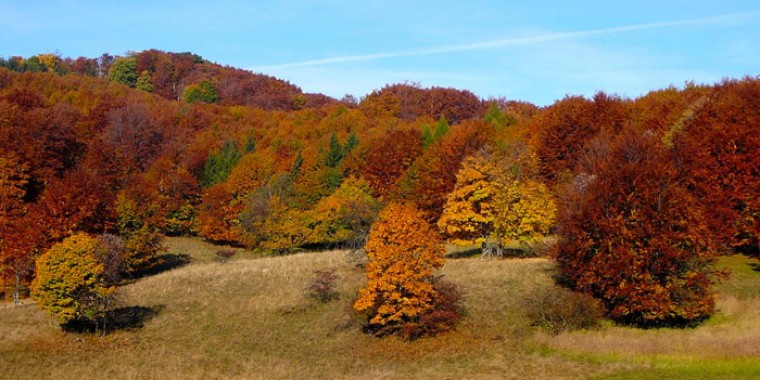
x: 632, y: 236
x: 70, y: 279
x: 404, y: 252
x: 719, y: 155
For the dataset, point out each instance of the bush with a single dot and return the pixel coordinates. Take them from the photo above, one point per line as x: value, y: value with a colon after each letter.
x: 444, y: 316
x: 223, y: 255
x: 323, y: 286
x: 559, y: 309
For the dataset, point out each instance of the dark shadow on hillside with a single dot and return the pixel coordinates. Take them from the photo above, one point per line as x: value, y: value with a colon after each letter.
x: 164, y: 263
x: 123, y: 318
x: 506, y: 253
x: 465, y: 253
x: 755, y: 266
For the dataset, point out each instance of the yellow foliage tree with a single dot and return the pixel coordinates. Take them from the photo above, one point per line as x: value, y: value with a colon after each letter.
x: 524, y: 212
x: 345, y: 216
x: 494, y: 208
x: 467, y: 217
x: 70, y: 280
x: 403, y: 252
x: 282, y: 229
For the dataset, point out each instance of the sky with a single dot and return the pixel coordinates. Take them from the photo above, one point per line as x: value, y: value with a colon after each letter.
x: 537, y: 51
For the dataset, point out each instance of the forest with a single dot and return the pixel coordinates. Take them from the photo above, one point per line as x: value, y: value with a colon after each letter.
x: 635, y: 200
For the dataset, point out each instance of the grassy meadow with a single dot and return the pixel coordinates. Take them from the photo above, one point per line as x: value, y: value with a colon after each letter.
x: 249, y: 318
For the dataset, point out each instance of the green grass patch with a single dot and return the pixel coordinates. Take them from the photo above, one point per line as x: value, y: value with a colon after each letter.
x: 692, y: 368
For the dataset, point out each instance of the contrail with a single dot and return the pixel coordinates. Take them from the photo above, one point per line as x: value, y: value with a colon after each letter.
x: 513, y: 41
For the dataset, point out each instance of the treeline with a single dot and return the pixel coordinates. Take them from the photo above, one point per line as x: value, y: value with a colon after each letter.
x: 177, y: 76
x: 643, y: 193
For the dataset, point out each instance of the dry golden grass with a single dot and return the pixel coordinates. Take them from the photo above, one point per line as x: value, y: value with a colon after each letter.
x: 249, y: 318
x: 738, y: 338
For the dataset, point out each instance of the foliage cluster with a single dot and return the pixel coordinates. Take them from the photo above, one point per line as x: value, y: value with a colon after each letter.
x: 493, y: 207
x: 403, y: 254
x: 72, y: 280
x: 633, y: 236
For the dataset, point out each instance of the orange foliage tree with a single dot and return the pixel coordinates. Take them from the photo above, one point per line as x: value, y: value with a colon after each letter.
x: 403, y: 251
x: 468, y: 214
x: 632, y: 235
x: 492, y: 206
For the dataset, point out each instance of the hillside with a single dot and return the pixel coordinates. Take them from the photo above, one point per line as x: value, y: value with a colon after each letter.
x: 249, y: 318
x: 633, y: 206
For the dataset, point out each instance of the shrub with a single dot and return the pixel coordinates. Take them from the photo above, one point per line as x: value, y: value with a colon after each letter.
x: 444, y: 316
x: 559, y: 309
x: 223, y: 255
x: 323, y: 286
x: 141, y: 250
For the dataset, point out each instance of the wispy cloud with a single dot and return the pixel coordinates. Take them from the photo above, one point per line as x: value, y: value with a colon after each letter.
x: 529, y: 40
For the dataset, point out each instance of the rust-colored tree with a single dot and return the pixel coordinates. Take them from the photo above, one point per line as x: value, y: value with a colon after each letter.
x: 404, y: 252
x: 719, y: 155
x: 409, y: 101
x: 78, y: 202
x: 21, y: 232
x: 632, y: 236
x: 564, y: 128
x: 433, y: 175
x: 388, y: 157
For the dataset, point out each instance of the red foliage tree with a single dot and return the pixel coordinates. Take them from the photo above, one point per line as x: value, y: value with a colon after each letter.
x: 78, y: 202
x: 388, y: 157
x: 632, y: 235
x: 566, y: 126
x: 719, y: 154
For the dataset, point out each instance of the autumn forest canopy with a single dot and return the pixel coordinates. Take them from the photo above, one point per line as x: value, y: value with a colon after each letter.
x: 101, y: 157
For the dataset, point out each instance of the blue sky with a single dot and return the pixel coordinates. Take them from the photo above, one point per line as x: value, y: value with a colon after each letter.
x: 537, y: 51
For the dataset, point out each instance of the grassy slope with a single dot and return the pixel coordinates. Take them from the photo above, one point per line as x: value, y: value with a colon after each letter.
x: 249, y: 318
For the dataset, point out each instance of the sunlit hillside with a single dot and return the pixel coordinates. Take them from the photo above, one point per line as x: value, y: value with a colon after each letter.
x: 251, y: 318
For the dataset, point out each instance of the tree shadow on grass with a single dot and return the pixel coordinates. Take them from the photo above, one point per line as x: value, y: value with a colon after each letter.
x: 463, y: 254
x: 123, y: 318
x: 164, y: 263
x: 755, y: 266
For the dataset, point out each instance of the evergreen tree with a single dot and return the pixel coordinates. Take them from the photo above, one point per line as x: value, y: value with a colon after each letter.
x: 351, y: 143
x: 219, y: 165
x: 441, y: 129
x: 427, y: 136
x: 335, y: 153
